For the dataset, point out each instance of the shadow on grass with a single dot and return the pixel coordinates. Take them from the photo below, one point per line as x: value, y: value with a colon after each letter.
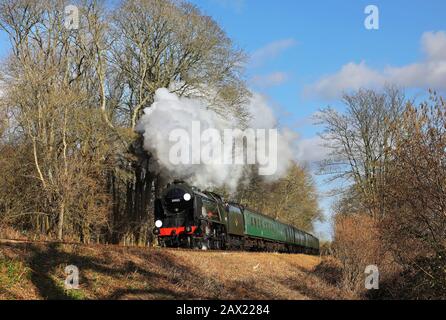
x: 321, y: 283
x: 146, y: 274
x: 329, y: 272
x: 44, y: 262
x: 42, y: 267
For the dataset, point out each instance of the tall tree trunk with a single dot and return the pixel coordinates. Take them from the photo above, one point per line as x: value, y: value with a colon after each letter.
x: 61, y: 222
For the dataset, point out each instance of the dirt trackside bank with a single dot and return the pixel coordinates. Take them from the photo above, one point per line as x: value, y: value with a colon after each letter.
x: 37, y: 271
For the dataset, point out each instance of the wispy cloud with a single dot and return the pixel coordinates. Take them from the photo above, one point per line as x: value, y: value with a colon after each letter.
x: 269, y: 80
x: 271, y: 51
x: 428, y: 73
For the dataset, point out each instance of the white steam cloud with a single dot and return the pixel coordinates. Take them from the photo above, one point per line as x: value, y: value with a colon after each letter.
x: 171, y: 114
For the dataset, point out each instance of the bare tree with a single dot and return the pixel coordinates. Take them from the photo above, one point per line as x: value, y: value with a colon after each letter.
x: 170, y: 44
x: 48, y: 87
x: 359, y: 140
x: 415, y: 228
x: 74, y: 97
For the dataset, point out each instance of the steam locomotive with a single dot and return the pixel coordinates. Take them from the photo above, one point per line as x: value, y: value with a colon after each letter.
x: 190, y: 218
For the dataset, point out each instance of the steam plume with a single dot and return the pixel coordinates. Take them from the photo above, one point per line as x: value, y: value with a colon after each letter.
x: 170, y: 112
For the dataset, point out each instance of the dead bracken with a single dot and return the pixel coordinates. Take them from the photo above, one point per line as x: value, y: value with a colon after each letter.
x: 116, y: 272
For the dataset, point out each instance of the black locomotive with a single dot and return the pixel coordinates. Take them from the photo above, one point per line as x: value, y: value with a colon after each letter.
x: 190, y: 218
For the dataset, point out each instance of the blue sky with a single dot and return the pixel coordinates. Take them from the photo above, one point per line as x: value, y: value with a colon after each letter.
x: 304, y: 54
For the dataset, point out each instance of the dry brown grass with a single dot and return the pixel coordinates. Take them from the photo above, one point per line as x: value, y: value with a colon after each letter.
x: 112, y: 272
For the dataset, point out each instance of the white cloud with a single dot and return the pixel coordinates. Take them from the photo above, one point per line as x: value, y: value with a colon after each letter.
x: 428, y: 73
x: 434, y: 45
x: 270, y: 80
x: 352, y: 76
x: 271, y: 50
